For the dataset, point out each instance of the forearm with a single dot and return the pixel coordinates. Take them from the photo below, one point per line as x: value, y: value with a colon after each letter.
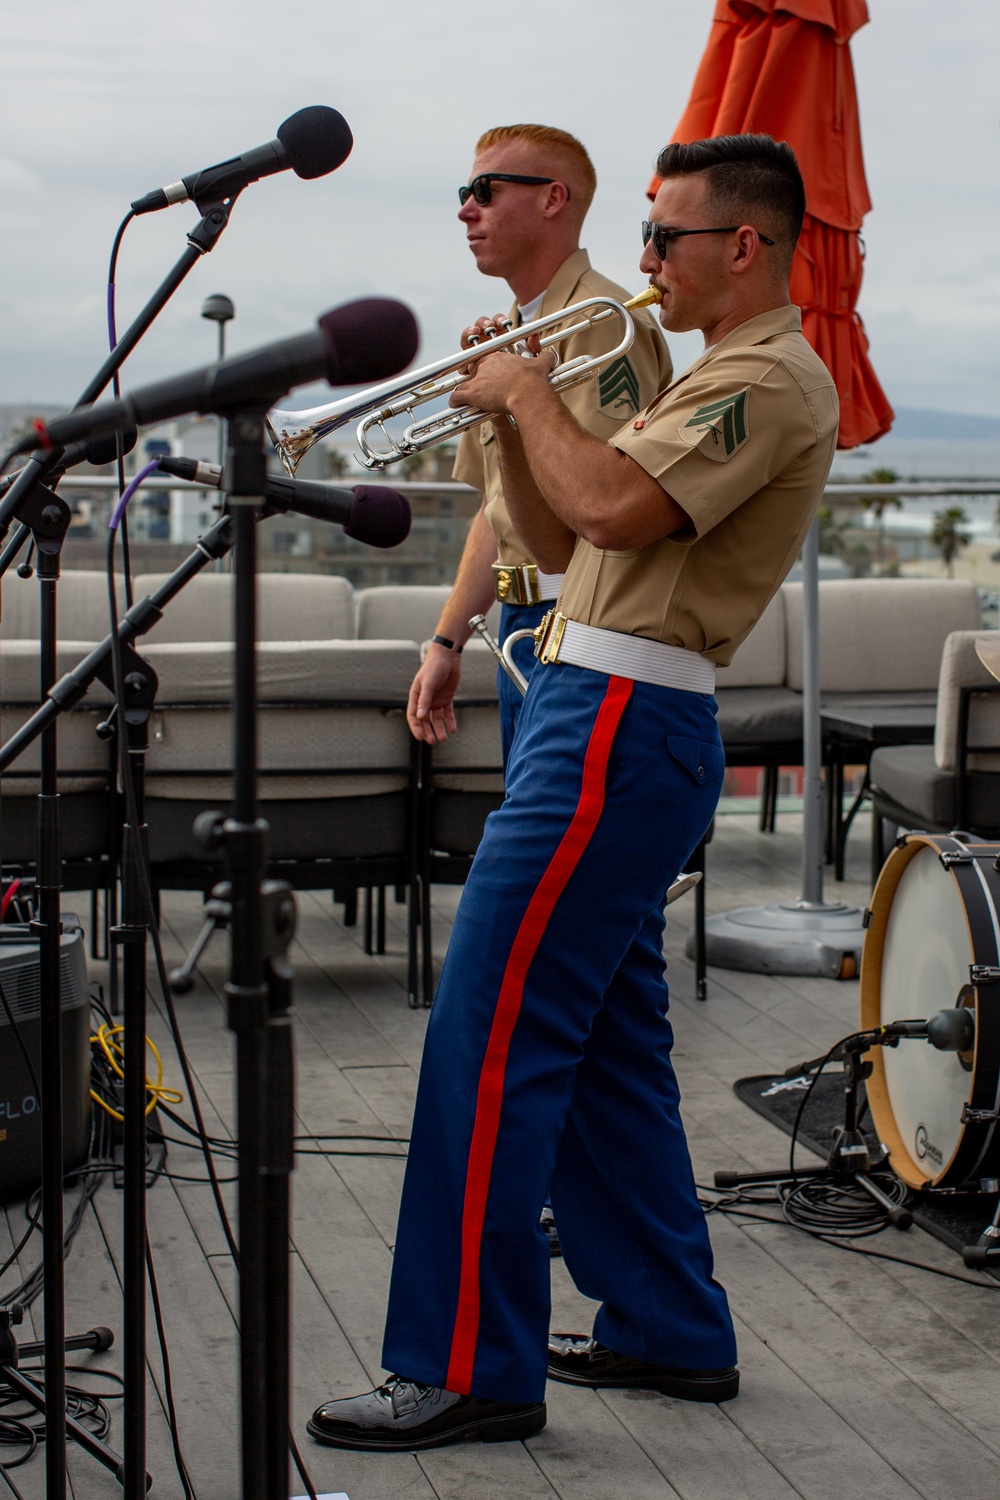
x: 592, y: 488
x: 473, y: 589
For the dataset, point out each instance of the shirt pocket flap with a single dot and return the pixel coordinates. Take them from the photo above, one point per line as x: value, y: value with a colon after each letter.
x: 704, y: 760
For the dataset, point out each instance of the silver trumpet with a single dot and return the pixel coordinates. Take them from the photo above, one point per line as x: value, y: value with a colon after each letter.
x: 293, y: 433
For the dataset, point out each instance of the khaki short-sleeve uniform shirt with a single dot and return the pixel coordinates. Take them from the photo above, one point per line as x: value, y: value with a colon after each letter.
x: 600, y: 405
x: 743, y: 441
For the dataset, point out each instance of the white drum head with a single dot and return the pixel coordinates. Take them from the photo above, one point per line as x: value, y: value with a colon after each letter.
x: 925, y: 964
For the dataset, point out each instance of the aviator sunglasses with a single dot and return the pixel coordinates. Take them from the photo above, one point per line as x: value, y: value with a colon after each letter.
x: 480, y: 189
x: 661, y: 236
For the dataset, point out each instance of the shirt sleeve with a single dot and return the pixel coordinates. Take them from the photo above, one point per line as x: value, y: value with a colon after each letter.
x: 631, y: 381
x: 722, y: 434
x: 469, y: 467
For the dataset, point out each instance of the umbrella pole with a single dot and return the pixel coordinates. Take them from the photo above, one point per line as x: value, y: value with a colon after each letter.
x: 808, y: 936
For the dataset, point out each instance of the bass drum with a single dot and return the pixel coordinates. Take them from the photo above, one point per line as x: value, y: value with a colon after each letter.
x: 933, y: 941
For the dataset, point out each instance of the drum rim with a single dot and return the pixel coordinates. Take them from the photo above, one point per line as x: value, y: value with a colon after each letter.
x: 975, y: 1139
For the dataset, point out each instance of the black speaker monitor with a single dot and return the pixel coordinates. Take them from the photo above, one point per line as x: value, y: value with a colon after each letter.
x: 20, y: 1120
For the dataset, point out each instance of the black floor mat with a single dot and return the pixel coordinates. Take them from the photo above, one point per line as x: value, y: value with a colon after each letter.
x: 957, y: 1219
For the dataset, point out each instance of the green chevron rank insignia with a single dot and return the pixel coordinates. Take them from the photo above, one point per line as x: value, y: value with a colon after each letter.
x: 619, y: 389
x: 720, y: 428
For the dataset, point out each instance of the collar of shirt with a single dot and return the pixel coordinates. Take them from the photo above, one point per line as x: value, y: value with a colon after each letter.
x: 756, y: 330
x: 529, y: 311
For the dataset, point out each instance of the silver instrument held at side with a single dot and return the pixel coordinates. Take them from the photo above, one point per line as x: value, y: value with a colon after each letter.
x: 294, y: 433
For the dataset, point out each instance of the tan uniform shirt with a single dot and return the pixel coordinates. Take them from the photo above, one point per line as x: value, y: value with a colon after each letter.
x: 600, y: 405
x: 743, y: 441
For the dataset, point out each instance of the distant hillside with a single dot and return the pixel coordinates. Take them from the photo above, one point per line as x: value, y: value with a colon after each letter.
x: 921, y: 422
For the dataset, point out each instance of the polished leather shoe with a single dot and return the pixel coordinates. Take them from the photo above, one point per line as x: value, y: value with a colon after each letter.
x: 404, y: 1415
x: 578, y: 1360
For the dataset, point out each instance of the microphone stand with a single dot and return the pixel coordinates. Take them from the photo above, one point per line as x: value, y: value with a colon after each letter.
x: 259, y: 1000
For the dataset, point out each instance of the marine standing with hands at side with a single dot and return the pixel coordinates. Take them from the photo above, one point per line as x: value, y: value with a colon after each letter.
x: 547, y: 1058
x: 523, y: 210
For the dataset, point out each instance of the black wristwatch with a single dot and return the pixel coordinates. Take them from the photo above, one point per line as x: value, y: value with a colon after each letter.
x: 442, y: 640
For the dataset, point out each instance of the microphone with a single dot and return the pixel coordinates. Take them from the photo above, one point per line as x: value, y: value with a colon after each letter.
x: 355, y: 344
x: 951, y: 1030
x: 97, y: 451
x: 370, y: 513
x: 313, y: 142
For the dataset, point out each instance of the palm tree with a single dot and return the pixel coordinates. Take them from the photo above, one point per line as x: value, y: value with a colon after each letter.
x: 878, y: 507
x: 946, y: 535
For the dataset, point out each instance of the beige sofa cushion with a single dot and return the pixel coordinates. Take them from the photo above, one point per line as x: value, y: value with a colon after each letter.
x: 406, y: 612
x: 760, y: 659
x: 331, y: 714
x: 961, y: 667
x: 880, y: 635
x: 82, y: 609
x: 290, y: 607
x: 79, y: 750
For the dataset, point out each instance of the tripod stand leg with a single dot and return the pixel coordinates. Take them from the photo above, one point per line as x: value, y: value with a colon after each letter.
x: 35, y: 1397
x: 899, y: 1216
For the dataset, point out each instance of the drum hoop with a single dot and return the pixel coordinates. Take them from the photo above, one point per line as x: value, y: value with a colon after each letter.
x: 975, y: 1139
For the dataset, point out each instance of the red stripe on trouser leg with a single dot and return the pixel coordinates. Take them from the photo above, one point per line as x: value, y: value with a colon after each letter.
x: 489, y: 1098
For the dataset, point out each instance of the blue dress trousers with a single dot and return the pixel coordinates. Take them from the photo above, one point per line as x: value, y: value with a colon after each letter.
x: 546, y: 1067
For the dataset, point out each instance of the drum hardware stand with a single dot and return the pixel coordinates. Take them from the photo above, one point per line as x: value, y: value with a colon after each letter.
x: 850, y: 1158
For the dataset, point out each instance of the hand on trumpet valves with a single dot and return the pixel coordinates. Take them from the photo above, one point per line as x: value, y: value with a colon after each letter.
x: 494, y: 378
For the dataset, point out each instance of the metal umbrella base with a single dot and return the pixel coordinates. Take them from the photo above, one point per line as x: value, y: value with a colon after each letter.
x: 813, y: 939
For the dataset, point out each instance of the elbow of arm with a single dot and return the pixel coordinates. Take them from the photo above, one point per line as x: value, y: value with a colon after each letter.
x: 606, y: 534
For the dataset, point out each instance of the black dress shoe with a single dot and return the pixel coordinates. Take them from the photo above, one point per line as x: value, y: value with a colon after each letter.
x: 578, y: 1360
x: 403, y: 1415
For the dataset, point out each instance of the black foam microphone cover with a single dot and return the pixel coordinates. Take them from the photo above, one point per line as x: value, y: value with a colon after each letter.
x: 379, y: 516
x: 104, y: 450
x: 316, y: 139
x: 369, y: 339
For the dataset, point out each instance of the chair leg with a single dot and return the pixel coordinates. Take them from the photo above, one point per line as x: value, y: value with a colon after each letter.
x: 428, y: 943
x: 879, y: 841
x: 368, y: 920
x: 380, y: 921
x: 412, y: 933
x: 700, y: 956
x: 769, y: 799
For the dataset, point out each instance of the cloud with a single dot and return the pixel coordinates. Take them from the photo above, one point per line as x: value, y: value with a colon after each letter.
x: 123, y: 98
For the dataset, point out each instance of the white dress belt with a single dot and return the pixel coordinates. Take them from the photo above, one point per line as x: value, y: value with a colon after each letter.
x: 549, y: 585
x: 620, y: 655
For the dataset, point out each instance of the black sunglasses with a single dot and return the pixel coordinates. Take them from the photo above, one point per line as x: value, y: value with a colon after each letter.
x: 661, y: 236
x: 480, y: 189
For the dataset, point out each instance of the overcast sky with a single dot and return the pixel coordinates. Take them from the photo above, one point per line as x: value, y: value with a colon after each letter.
x: 103, y: 100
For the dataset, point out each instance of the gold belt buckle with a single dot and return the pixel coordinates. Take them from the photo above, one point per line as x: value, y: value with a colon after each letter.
x: 548, y: 636
x: 516, y: 585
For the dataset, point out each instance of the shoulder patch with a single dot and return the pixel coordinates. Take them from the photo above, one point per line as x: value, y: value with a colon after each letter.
x: 720, y: 428
x: 619, y: 388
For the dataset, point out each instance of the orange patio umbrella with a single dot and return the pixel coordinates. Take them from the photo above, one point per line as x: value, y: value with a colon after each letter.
x: 783, y: 68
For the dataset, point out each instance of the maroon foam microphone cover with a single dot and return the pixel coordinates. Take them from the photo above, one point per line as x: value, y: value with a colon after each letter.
x: 379, y: 516
x: 368, y: 340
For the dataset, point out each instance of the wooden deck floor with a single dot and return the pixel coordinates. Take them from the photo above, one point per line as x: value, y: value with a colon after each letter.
x: 861, y: 1380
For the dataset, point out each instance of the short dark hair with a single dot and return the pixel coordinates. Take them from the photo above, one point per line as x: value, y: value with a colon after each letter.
x: 751, y: 179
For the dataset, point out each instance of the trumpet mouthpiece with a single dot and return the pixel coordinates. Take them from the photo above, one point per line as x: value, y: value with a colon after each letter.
x: 645, y: 299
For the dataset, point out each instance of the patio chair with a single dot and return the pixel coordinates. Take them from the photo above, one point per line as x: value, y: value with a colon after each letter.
x: 337, y: 766
x: 954, y: 783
